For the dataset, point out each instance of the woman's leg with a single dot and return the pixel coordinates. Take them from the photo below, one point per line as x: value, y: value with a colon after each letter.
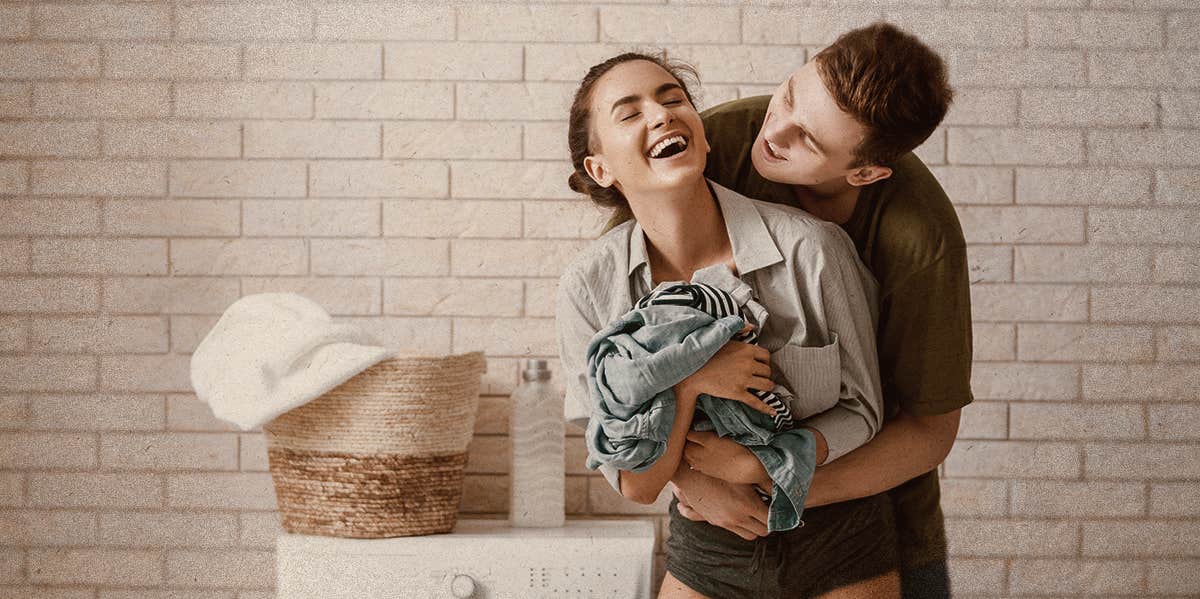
x: 886, y: 586
x: 673, y: 589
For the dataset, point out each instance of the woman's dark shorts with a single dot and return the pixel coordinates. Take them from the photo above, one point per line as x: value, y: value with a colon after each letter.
x: 839, y: 544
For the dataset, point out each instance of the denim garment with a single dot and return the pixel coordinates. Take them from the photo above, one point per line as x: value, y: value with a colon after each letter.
x: 632, y: 366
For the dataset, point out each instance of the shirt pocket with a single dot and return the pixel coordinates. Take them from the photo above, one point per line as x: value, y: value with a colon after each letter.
x: 812, y: 373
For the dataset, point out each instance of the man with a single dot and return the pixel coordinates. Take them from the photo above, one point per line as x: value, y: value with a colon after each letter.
x: 835, y: 139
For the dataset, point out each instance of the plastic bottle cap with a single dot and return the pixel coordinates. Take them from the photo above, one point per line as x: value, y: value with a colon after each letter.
x: 536, y: 370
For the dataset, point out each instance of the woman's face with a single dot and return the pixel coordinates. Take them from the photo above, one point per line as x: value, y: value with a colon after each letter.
x: 646, y: 135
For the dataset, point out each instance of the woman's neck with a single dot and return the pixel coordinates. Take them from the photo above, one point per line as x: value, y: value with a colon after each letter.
x: 685, y: 231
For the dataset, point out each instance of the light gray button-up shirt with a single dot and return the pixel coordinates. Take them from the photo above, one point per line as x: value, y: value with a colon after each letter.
x: 820, y: 298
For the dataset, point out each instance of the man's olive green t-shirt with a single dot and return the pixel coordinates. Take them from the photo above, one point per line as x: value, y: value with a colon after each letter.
x: 908, y: 235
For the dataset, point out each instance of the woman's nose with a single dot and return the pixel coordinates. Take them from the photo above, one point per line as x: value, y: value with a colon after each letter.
x: 660, y: 116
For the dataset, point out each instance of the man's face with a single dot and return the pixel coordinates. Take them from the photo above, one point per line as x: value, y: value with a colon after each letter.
x: 806, y: 139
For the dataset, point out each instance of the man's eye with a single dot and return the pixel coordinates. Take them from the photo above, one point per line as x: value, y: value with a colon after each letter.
x: 672, y: 102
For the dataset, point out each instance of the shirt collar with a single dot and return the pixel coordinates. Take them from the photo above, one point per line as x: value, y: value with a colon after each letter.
x: 753, y: 245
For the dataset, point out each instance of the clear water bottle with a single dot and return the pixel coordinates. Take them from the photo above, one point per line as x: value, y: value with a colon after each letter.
x: 536, y: 429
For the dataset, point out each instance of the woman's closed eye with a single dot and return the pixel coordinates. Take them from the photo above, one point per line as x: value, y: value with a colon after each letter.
x: 631, y: 115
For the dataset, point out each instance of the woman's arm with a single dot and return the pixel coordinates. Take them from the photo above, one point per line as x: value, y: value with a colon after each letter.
x: 644, y: 487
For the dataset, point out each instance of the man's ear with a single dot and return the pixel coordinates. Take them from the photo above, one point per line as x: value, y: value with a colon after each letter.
x: 866, y: 175
x: 598, y: 171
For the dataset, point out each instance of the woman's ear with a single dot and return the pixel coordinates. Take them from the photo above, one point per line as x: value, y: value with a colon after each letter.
x: 598, y: 171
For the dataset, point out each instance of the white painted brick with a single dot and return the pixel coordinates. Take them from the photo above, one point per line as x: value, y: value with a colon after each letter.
x: 1159, y: 148
x: 239, y: 257
x: 489, y: 455
x: 14, y: 177
x: 252, y: 450
x: 1025, y: 381
x: 539, y: 297
x: 12, y: 488
x: 1014, y: 146
x: 669, y: 25
x: 315, y: 139
x: 1175, y: 499
x: 1179, y: 344
x: 484, y: 494
x: 116, y: 178
x: 15, y: 21
x: 1174, y: 421
x: 973, y: 106
x: 16, y: 99
x: 506, y: 336
x: 1128, y: 539
x: 14, y: 335
x: 795, y: 26
x: 1015, y: 67
x: 511, y: 180
x: 95, y: 489
x: 1088, y: 577
x: 12, y: 566
x: 385, y: 100
x: 1067, y: 421
x: 175, y: 218
x: 311, y: 218
x: 181, y: 529
x: 573, y: 219
x: 994, y: 341
x: 1013, y: 459
x: 337, y: 295
x: 1181, y: 265
x: 1159, y: 225
x: 545, y: 141
x: 190, y: 139
x: 171, y: 451
x: 48, y: 528
x: 103, y: 99
x: 1084, y: 343
x: 443, y: 218
x: 738, y: 64
x: 511, y: 258
x: 1180, y: 109
x: 1146, y: 304
x: 1145, y: 69
x: 1095, y: 29
x: 15, y: 256
x: 1002, y: 538
x: 187, y: 413
x: 984, y: 420
x: 453, y: 139
x: 1083, y: 186
x: 971, y: 575
x: 145, y: 373
x: 390, y: 257
x: 603, y: 499
x: 233, y: 178
x: 971, y: 497
x: 1091, y: 107
x: 1093, y: 263
x: 221, y: 490
x: 534, y: 101
x: 485, y: 22
x: 49, y: 61
x: 252, y: 100
x: 42, y: 451
x: 933, y: 150
x: 990, y: 263
x: 1178, y: 186
x: 188, y: 331
x: 104, y: 335
x: 943, y: 27
x: 173, y: 61
x: 373, y: 179
x: 1175, y: 577
x: 453, y: 61
x: 172, y: 295
x: 260, y: 529
x: 314, y: 61
x: 1142, y: 461
x: 987, y: 224
x: 1141, y: 381
x: 41, y: 139
x: 58, y: 294
x: 452, y: 297
x: 976, y: 185
x: 1183, y: 29
x: 243, y: 21
x: 569, y: 62
x: 100, y: 256
x: 360, y: 21
x: 1004, y: 302
x: 94, y: 412
x: 225, y: 567
x: 424, y: 336
x: 104, y: 21
x: 95, y: 566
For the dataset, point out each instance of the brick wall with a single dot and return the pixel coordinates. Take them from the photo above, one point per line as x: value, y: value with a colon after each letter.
x: 395, y: 162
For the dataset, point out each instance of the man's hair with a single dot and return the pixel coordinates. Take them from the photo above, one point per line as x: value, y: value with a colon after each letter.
x: 891, y: 83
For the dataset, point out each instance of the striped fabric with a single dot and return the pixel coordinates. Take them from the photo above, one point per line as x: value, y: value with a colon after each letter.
x: 719, y: 304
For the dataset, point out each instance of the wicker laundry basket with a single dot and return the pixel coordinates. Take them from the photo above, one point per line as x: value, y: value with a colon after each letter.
x: 382, y: 455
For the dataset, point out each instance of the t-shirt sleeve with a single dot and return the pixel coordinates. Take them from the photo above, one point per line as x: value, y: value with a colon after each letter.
x: 925, y: 338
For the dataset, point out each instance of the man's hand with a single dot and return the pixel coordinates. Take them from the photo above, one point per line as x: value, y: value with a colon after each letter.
x: 709, y: 454
x: 735, y: 508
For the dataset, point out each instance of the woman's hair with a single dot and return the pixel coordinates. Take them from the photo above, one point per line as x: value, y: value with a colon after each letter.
x: 579, y: 129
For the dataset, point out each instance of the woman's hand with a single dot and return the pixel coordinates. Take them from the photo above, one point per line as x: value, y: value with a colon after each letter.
x: 730, y: 374
x: 735, y: 508
x: 710, y: 454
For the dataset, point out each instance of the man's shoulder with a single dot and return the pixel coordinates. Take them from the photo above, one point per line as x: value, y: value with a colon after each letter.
x: 749, y: 109
x: 916, y: 222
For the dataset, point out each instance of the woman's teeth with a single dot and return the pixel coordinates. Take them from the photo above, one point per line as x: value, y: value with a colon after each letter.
x: 659, y: 147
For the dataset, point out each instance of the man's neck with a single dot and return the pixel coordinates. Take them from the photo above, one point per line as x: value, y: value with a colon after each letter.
x: 831, y: 203
x: 684, y: 234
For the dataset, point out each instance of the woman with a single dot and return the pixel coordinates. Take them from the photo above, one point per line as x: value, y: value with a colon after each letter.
x: 637, y: 143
